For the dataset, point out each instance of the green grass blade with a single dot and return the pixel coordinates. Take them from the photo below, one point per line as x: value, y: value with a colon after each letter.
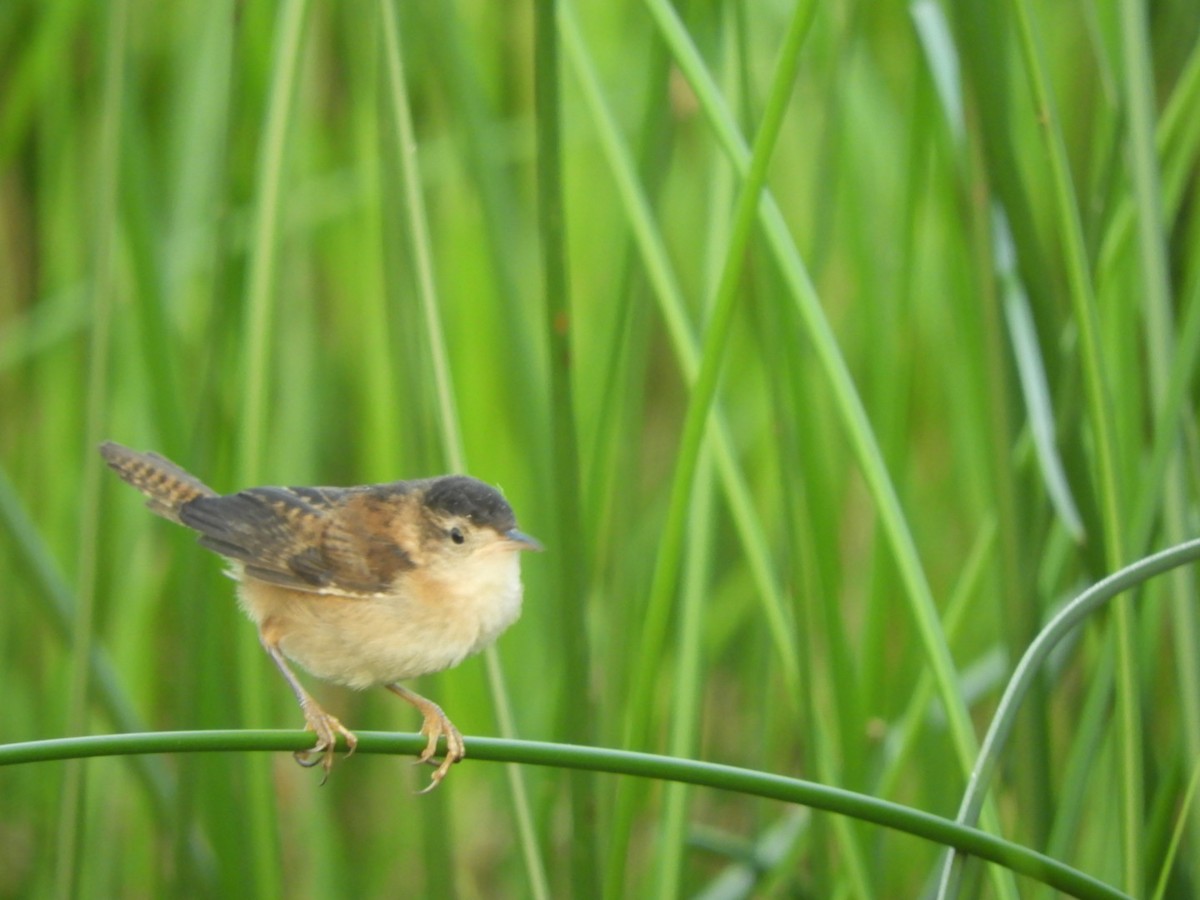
x: 448, y: 420
x: 689, y: 677
x: 1185, y: 809
x: 663, y: 586
x: 1034, y: 387
x: 70, y: 837
x: 1101, y: 417
x: 656, y: 259
x: 711, y: 356
x: 418, y: 230
x: 1156, y: 293
x: 257, y: 350
x: 572, y: 568
x: 1029, y: 668
x: 847, y: 401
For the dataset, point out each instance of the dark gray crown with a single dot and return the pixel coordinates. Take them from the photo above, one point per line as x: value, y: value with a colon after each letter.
x: 460, y: 495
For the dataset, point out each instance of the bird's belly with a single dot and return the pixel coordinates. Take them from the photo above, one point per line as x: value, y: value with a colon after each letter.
x: 361, y: 642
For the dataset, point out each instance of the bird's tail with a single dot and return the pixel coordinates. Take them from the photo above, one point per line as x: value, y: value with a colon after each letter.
x: 167, y: 486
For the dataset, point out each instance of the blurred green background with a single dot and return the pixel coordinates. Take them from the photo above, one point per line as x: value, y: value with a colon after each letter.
x: 957, y: 387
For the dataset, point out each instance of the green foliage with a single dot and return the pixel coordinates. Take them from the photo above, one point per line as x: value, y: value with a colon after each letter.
x: 952, y: 256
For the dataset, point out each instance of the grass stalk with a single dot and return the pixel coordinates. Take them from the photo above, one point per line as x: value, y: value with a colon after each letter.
x: 572, y: 568
x: 689, y: 680
x: 848, y: 403
x: 257, y: 349
x: 1101, y: 418
x: 703, y: 391
x: 1156, y: 292
x: 452, y: 442
x: 70, y: 837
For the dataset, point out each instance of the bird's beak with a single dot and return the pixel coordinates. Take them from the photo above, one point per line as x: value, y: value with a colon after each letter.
x: 523, y: 541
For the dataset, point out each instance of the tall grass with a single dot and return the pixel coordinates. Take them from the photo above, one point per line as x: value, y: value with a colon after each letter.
x: 829, y: 348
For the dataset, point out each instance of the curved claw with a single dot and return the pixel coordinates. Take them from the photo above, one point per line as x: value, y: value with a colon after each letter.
x: 304, y: 758
x: 436, y: 726
x: 327, y: 728
x: 441, y: 771
x: 455, y: 750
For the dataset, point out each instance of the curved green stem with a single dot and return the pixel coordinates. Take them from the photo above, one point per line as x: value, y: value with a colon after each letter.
x: 1027, y: 670
x: 916, y: 822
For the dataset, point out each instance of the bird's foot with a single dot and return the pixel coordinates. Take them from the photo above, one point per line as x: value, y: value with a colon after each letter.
x: 327, y: 729
x: 436, y: 726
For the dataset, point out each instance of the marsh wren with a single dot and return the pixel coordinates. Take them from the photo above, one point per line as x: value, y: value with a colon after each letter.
x: 361, y: 586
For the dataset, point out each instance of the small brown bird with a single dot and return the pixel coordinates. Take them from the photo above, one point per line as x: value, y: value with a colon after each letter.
x: 361, y: 586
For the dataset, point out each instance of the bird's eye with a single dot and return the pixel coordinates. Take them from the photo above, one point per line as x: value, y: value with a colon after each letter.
x: 456, y: 535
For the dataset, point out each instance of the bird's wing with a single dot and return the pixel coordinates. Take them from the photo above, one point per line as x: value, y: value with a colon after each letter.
x: 323, y: 540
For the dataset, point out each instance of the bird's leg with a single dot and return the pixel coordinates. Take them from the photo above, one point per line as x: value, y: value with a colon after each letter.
x: 436, y: 725
x: 327, y: 727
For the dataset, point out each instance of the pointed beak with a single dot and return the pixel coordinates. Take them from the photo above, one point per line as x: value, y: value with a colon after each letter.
x: 523, y: 541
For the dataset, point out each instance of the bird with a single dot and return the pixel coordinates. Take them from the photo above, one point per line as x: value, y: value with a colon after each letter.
x: 361, y: 586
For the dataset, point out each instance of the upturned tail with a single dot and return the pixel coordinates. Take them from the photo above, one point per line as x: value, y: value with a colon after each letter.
x: 166, y: 485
